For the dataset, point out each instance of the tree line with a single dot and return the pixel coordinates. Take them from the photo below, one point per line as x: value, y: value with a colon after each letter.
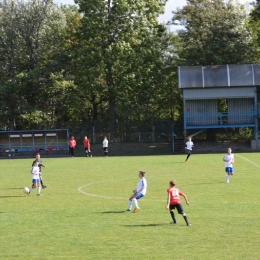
x: 110, y: 60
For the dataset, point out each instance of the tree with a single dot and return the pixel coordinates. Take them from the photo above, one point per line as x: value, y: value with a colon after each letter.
x: 112, y: 33
x: 214, y: 32
x: 30, y: 36
x: 254, y: 25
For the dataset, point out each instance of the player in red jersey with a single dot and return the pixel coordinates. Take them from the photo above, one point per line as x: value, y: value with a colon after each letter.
x: 173, y: 201
x: 72, y: 145
x: 87, y: 146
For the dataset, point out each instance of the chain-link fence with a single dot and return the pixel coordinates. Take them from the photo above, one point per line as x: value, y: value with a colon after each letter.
x: 130, y: 131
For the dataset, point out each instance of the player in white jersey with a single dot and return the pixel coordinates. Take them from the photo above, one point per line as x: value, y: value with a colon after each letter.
x: 229, y: 160
x: 138, y: 193
x: 188, y: 147
x: 105, y: 146
x: 36, y: 178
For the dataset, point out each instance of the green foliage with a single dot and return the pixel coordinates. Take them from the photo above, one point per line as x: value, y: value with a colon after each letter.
x: 215, y: 33
x: 254, y: 25
x: 30, y: 36
x: 67, y: 224
x: 123, y: 58
x: 110, y: 61
x: 230, y: 134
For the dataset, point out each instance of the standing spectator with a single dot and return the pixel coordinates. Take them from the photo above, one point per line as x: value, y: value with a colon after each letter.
x: 72, y: 145
x: 188, y: 147
x: 87, y: 146
x: 105, y: 146
x: 229, y: 160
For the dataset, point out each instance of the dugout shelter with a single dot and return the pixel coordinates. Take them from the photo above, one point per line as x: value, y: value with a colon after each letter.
x: 33, y: 141
x: 205, y: 88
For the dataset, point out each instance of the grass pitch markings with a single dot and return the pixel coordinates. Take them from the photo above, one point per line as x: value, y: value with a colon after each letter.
x: 105, y: 197
x: 257, y: 165
x: 96, y: 195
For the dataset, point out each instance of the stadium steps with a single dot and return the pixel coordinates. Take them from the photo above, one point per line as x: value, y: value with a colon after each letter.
x: 179, y: 145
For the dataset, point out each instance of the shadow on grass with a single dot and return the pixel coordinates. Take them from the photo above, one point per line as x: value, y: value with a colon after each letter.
x: 147, y: 225
x: 111, y: 212
x: 11, y: 189
x: 4, y: 197
x: 217, y: 182
x: 178, y: 162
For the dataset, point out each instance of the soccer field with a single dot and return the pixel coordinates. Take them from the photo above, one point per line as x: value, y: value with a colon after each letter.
x: 81, y: 214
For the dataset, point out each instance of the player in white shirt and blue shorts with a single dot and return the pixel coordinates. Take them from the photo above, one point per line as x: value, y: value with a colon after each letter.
x: 138, y: 193
x: 229, y: 160
x: 36, y: 178
x: 188, y: 147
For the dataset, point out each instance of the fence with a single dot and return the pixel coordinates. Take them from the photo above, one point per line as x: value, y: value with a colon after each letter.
x: 130, y: 131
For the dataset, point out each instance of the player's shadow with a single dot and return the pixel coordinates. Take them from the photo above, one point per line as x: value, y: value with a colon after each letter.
x: 113, y: 212
x: 147, y: 225
x: 6, y: 197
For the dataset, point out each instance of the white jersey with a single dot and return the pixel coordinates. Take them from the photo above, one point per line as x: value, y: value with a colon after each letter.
x: 35, y: 173
x: 230, y: 159
x: 105, y: 143
x: 142, y: 183
x: 189, y: 145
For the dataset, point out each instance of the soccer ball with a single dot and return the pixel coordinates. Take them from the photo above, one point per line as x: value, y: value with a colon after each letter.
x: 26, y: 190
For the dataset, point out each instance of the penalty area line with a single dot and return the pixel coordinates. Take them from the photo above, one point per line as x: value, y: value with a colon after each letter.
x: 257, y: 165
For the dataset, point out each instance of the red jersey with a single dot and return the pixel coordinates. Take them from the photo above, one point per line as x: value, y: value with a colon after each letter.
x: 174, y: 195
x: 86, y: 143
x: 72, y: 143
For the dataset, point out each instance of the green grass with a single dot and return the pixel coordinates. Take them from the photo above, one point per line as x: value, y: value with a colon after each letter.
x: 67, y: 224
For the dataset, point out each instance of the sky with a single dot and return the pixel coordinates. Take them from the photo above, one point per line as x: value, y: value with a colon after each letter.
x: 171, y: 5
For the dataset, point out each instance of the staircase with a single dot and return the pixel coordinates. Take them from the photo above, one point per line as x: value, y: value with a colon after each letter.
x: 179, y: 145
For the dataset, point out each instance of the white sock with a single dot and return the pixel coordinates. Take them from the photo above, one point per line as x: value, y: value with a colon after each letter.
x: 129, y: 204
x: 136, y: 203
x: 30, y: 189
x: 38, y: 190
x: 227, y: 178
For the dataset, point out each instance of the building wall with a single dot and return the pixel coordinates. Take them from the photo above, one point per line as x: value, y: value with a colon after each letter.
x: 219, y: 93
x: 240, y: 111
x: 201, y: 112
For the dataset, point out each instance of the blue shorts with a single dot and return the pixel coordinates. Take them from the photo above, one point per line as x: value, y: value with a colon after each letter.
x: 139, y: 196
x: 36, y: 180
x: 229, y: 170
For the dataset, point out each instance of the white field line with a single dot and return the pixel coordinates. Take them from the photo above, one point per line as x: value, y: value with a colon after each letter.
x: 257, y: 165
x: 120, y: 198
x: 95, y: 195
x: 80, y: 189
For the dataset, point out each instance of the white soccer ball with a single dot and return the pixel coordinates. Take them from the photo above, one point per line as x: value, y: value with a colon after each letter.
x: 26, y: 190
